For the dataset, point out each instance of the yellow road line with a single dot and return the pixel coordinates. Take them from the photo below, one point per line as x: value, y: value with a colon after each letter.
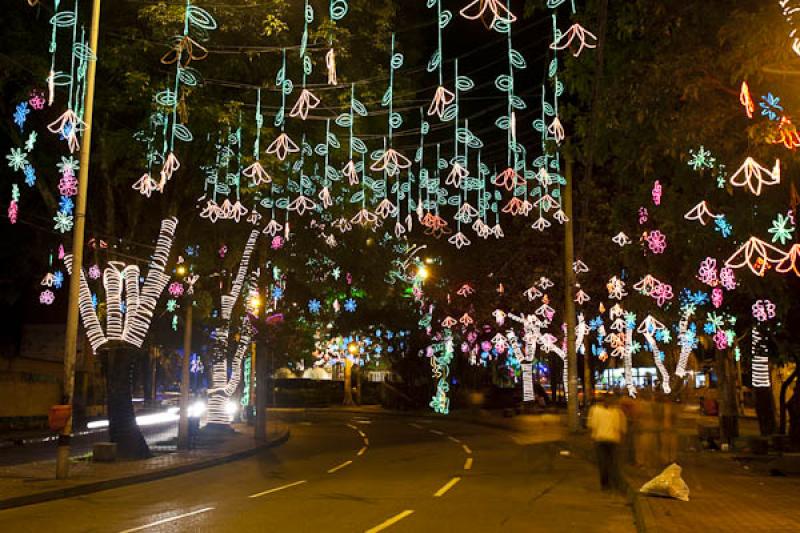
x: 335, y: 468
x: 393, y: 520
x: 466, y: 449
x: 276, y: 489
x: 362, y: 450
x: 468, y: 464
x: 167, y: 520
x: 446, y: 487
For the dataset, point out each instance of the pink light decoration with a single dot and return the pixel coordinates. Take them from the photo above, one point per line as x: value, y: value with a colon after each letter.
x: 176, y: 289
x: 282, y: 146
x: 46, y: 297
x: 700, y: 212
x: 657, y: 192
x: 257, y: 174
x: 662, y: 293
x: 508, y: 179
x: 708, y: 271
x: 441, y: 99
x: 466, y: 320
x: 94, y: 272
x: 386, y: 208
x: 656, y: 241
x: 351, y: 173
x: 13, y: 211
x: 330, y: 64
x: 721, y: 339
x: 643, y: 215
x: 763, y: 310
x: 68, y: 185
x: 223, y: 250
x: 392, y: 162
x: 170, y: 166
x: 61, y: 252
x: 277, y: 242
x: 457, y: 173
x: 465, y: 290
x: 556, y: 130
x: 449, y: 322
x: 477, y: 8
x: 757, y: 255
x: 305, y: 102
x: 301, y: 204
x: 576, y: 31
x: 754, y: 176
x: 68, y: 125
x: 37, y: 100
x: 620, y: 239
x: 716, y: 297
x: 728, y: 278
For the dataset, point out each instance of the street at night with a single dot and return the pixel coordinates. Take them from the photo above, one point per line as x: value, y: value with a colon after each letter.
x: 422, y: 266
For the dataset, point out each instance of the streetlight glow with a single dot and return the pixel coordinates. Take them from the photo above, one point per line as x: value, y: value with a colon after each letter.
x: 423, y: 273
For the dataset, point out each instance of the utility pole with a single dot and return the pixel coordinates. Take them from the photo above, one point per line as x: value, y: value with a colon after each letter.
x: 569, y: 305
x: 183, y: 423
x: 71, y: 336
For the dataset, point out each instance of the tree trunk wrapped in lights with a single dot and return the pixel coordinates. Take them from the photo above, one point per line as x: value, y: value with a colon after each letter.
x: 125, y: 333
x: 223, y: 387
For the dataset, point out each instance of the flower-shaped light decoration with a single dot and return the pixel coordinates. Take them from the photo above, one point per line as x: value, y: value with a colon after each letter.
x: 754, y: 176
x: 657, y: 192
x: 499, y: 316
x: 758, y: 255
x: 257, y: 174
x: 456, y: 174
x: 727, y: 278
x: 392, y: 162
x: 532, y: 293
x: 305, y: 102
x: 314, y: 306
x: 351, y: 173
x: 716, y: 297
x: 620, y: 239
x: 746, y: 100
x: 541, y: 224
x: 500, y: 13
x: 94, y: 272
x: 643, y: 215
x: 459, y: 240
x: 656, y: 241
x: 170, y: 166
x: 579, y: 267
x: 707, y: 272
x: 441, y: 99
x: 662, y: 293
x: 46, y: 297
x: 386, y: 209
x: 301, y: 204
x: 616, y: 288
x: 272, y: 228
x: 364, y: 218
x: 508, y: 179
x: 556, y: 130
x: 68, y: 125
x: 585, y: 38
x: 277, y: 242
x: 763, y: 310
x: 466, y: 320
x: 282, y: 146
x: 789, y: 262
x: 449, y: 322
x: 350, y: 305
x: 176, y: 289
x: 581, y: 297
x: 700, y: 213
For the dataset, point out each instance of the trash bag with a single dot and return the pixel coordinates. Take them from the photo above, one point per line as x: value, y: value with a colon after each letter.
x: 668, y: 483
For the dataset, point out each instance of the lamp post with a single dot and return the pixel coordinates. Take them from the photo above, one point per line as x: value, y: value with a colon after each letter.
x: 183, y: 424
x: 71, y: 335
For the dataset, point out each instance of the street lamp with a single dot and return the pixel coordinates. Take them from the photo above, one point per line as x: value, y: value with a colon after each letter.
x: 181, y: 270
x: 423, y: 273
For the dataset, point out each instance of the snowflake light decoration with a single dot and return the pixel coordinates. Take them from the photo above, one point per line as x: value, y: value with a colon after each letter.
x: 17, y: 159
x: 350, y: 305
x: 63, y: 222
x: 722, y: 226
x: 314, y: 306
x: 701, y: 159
x: 780, y: 230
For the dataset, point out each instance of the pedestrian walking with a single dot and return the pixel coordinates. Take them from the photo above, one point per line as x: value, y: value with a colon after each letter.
x: 608, y: 425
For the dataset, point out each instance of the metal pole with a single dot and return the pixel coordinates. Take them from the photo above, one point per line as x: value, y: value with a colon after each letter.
x: 569, y: 306
x: 252, y: 385
x: 71, y: 340
x: 183, y: 422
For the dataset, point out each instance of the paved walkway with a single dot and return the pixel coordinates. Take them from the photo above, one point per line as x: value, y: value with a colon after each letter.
x: 724, y: 495
x: 26, y: 483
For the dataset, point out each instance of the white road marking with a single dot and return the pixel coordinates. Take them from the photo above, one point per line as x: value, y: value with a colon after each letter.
x: 436, y: 432
x: 167, y: 520
x: 393, y: 520
x: 454, y: 440
x: 466, y: 449
x: 335, y: 468
x: 468, y: 464
x: 362, y: 450
x: 276, y: 489
x: 447, y: 486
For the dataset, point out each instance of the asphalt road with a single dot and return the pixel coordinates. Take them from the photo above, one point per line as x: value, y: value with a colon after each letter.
x: 350, y: 473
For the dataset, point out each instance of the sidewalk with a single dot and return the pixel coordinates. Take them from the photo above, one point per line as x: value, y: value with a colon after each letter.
x: 724, y: 495
x: 29, y: 483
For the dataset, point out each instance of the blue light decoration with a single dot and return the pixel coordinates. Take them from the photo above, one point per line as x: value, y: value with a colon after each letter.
x: 440, y: 361
x: 277, y: 293
x: 722, y: 226
x: 195, y: 364
x: 58, y: 279
x: 314, y: 306
x: 771, y: 106
x: 30, y: 175
x: 21, y: 115
x: 350, y: 305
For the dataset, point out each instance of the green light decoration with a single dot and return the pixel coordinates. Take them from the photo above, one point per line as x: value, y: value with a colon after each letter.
x: 306, y: 101
x: 338, y: 9
x: 441, y: 358
x: 442, y: 98
x: 283, y: 145
x: 347, y: 120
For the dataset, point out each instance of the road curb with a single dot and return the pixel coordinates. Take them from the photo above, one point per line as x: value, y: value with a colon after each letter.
x: 88, y: 488
x: 642, y: 512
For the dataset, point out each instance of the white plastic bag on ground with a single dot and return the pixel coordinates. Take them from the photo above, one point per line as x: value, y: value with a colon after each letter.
x: 668, y: 483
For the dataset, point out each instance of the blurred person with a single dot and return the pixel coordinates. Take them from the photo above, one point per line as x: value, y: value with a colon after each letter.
x: 608, y: 425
